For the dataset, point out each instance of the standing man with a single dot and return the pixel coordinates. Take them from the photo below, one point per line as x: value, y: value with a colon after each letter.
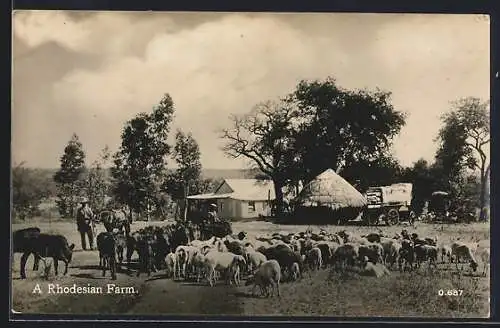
x: 84, y: 222
x: 212, y: 214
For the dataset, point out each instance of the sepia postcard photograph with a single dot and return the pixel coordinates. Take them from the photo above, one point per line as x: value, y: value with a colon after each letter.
x: 250, y: 164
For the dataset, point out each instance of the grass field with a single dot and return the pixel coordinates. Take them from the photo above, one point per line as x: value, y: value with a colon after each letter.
x: 324, y: 292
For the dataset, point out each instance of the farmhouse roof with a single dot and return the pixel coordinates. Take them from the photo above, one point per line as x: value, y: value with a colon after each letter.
x: 209, y: 196
x: 330, y: 189
x: 243, y: 189
x: 251, y: 189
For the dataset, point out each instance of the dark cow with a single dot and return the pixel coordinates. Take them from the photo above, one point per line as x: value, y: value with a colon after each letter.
x: 121, y: 245
x: 115, y: 219
x: 106, y: 244
x: 47, y: 245
x: 146, y: 255
x: 22, y: 242
x: 180, y: 236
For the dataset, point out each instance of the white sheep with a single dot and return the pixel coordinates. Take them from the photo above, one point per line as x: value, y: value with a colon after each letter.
x: 183, y: 257
x: 461, y: 250
x: 375, y: 270
x: 484, y: 255
x: 170, y: 262
x: 295, y: 271
x: 444, y: 251
x: 255, y: 260
x: 222, y: 261
x: 267, y: 278
x: 391, y: 251
x: 314, y: 258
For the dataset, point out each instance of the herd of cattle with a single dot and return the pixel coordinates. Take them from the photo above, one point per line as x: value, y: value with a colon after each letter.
x: 264, y: 260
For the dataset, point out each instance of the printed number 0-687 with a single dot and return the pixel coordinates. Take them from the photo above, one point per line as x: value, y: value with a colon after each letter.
x: 450, y: 292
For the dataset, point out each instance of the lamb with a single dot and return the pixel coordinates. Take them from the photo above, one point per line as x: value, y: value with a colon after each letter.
x: 445, y: 252
x: 484, y: 255
x: 218, y: 261
x: 170, y: 267
x: 267, y: 278
x: 326, y: 251
x: 391, y: 251
x: 183, y: 257
x: 255, y: 260
x: 198, y: 265
x: 460, y: 250
x: 373, y: 251
x: 295, y: 272
x: 314, y: 258
x: 374, y: 270
x: 426, y: 253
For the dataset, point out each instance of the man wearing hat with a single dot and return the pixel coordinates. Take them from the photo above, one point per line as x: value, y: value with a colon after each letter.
x: 212, y: 213
x: 84, y: 218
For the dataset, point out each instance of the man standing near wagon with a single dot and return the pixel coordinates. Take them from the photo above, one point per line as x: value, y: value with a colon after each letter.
x: 85, y: 224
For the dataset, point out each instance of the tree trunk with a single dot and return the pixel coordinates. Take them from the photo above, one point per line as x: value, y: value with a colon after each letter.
x: 185, y: 209
x: 279, y: 198
x: 482, y: 196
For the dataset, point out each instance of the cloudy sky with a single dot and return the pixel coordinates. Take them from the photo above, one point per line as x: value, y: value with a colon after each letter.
x: 90, y: 72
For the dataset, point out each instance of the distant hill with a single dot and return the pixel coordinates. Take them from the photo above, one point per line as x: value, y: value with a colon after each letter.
x: 206, y: 173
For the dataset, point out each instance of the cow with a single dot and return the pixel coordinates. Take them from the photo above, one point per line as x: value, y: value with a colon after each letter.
x: 48, y: 245
x: 106, y: 244
x: 22, y: 242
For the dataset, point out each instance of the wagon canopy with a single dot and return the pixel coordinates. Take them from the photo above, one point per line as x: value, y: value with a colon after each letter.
x: 439, y: 193
x: 330, y: 189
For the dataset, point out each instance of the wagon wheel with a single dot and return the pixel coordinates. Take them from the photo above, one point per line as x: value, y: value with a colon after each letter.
x: 392, y: 217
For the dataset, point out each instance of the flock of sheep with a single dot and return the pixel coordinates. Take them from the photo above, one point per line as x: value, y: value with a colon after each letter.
x: 266, y: 261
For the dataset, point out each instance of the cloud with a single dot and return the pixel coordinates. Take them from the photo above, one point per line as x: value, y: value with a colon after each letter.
x: 219, y: 64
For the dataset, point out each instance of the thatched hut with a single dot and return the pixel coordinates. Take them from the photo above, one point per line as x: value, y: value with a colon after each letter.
x: 328, y: 198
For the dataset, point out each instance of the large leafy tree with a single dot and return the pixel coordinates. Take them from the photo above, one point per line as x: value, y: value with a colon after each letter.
x: 68, y: 176
x: 29, y: 188
x: 96, y: 181
x: 139, y: 164
x: 265, y: 137
x: 343, y: 128
x: 186, y: 179
x: 464, y: 143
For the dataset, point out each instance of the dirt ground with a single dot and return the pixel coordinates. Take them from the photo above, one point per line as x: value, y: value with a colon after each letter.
x: 323, y: 292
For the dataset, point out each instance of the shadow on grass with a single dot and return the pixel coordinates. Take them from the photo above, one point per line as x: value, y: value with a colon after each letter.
x: 158, y: 277
x: 246, y: 295
x: 87, y: 276
x: 87, y: 267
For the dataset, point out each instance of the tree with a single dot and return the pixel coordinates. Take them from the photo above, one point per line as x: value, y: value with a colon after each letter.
x: 67, y: 177
x: 381, y: 171
x: 343, y: 128
x: 28, y: 190
x: 265, y: 137
x: 140, y: 162
x: 187, y: 178
x: 97, y: 181
x: 464, y: 143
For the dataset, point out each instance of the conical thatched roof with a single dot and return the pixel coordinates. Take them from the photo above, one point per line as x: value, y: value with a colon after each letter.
x: 330, y: 189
